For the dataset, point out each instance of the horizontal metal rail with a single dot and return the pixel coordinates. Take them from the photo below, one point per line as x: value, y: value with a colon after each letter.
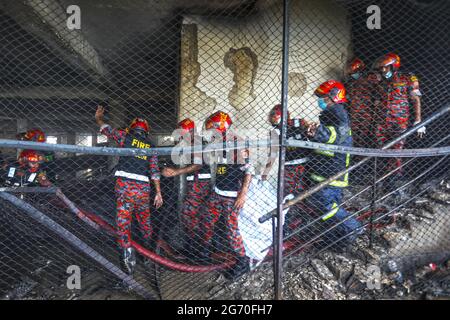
x: 164, y: 151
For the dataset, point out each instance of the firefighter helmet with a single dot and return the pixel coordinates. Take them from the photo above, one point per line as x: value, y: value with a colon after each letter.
x: 140, y: 124
x: 275, y: 115
x: 31, y: 158
x: 186, y: 125
x: 355, y: 65
x: 333, y: 89
x: 389, y: 59
x: 35, y: 135
x: 219, y: 120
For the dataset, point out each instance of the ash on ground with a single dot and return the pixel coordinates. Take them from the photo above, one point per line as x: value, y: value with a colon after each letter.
x: 407, y: 259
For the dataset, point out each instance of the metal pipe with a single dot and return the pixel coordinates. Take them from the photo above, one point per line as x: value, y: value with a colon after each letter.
x: 166, y: 151
x: 323, y: 184
x: 391, y: 153
x: 29, y: 189
x: 373, y: 202
x: 76, y: 242
x: 278, y: 252
x: 6, y: 143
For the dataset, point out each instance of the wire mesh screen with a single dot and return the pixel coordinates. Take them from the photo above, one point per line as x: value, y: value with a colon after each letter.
x: 148, y: 152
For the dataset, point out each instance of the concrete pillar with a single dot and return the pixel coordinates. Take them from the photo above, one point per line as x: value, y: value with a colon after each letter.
x: 71, y: 138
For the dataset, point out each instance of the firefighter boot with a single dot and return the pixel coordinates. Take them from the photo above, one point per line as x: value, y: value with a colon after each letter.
x: 241, y: 267
x: 128, y: 260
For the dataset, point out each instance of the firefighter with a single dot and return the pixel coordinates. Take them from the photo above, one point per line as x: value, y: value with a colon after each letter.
x: 28, y: 171
x: 198, y: 180
x: 398, y: 92
x: 233, y: 177
x: 295, y: 157
x: 37, y: 135
x: 132, y: 184
x: 334, y: 128
x: 360, y: 91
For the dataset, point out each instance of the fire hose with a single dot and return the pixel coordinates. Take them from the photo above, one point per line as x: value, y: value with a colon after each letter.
x: 99, y: 223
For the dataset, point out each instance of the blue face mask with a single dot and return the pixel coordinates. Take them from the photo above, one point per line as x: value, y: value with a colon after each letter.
x: 388, y: 74
x: 355, y: 75
x: 322, y: 103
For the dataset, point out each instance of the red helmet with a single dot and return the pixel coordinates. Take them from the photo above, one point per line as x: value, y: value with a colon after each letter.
x: 187, y: 125
x: 219, y: 120
x: 29, y: 156
x: 355, y: 65
x: 140, y: 124
x: 275, y: 115
x: 390, y: 59
x: 35, y: 135
x: 335, y: 90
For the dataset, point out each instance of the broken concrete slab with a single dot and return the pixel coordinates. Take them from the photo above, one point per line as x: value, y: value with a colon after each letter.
x: 322, y: 269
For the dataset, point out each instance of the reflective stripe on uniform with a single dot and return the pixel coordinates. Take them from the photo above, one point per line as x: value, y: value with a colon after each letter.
x: 297, y: 161
x: 331, y: 140
x: 32, y: 177
x: 11, y: 172
x: 334, y: 210
x: 133, y: 176
x: 333, y: 135
x: 200, y: 176
x: 326, y: 153
x: 231, y: 194
x: 334, y: 183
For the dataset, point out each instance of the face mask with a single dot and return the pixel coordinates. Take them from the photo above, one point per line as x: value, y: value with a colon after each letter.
x: 322, y: 103
x: 355, y: 75
x: 388, y: 74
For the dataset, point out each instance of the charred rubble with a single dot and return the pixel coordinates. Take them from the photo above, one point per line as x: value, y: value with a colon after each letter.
x: 412, y: 257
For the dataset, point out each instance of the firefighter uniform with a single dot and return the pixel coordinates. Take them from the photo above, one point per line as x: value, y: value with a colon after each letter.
x: 394, y: 94
x: 132, y: 184
x: 334, y: 129
x: 295, y: 160
x: 198, y: 186
x: 362, y: 111
x: 28, y: 171
x: 228, y: 183
x: 19, y: 176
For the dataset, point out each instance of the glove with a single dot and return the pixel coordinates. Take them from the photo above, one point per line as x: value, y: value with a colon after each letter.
x: 421, y: 131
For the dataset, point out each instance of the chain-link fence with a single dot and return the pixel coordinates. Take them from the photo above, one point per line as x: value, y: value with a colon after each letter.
x: 173, y: 150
